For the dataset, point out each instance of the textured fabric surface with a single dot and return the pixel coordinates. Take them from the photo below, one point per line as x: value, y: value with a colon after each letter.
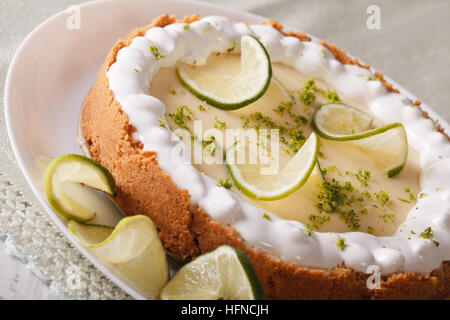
x: 412, y: 47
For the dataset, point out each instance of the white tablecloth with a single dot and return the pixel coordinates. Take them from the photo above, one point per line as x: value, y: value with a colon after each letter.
x: 412, y: 47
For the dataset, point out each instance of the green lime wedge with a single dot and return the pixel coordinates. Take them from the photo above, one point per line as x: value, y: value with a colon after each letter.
x: 64, y: 185
x: 248, y: 178
x: 132, y: 247
x: 225, y: 273
x: 232, y: 92
x: 388, y: 145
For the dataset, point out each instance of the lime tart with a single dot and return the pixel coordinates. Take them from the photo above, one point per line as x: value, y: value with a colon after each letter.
x: 225, y: 133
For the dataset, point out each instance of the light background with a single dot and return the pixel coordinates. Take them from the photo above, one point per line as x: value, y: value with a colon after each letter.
x: 412, y: 47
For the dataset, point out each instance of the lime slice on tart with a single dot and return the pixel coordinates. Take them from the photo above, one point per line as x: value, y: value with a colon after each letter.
x: 248, y: 178
x: 341, y: 120
x: 64, y: 185
x: 225, y: 273
x: 133, y: 247
x: 388, y: 145
x: 232, y: 92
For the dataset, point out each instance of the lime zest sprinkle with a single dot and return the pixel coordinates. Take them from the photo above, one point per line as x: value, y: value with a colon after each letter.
x: 266, y: 120
x: 293, y: 138
x: 349, y: 203
x: 246, y: 123
x: 387, y: 217
x: 266, y: 216
x: 186, y: 26
x: 374, y: 78
x: 363, y: 176
x: 209, y: 144
x: 382, y: 197
x: 411, y: 195
x: 219, y: 124
x: 231, y: 49
x: 429, y: 234
x: 180, y: 117
x: 283, y: 106
x: 333, y: 194
x: 332, y: 96
x: 162, y: 123
x: 332, y: 169
x: 334, y: 197
x: 317, y: 221
x: 301, y: 120
x: 295, y: 141
x: 227, y: 184
x: 306, y: 93
x: 307, y: 231
x: 155, y: 51
x: 340, y: 244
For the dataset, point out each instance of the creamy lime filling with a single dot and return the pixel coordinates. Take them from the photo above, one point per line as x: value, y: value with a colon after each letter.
x: 419, y: 244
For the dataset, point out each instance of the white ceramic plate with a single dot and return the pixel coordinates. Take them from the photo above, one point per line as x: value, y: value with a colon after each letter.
x: 52, y: 72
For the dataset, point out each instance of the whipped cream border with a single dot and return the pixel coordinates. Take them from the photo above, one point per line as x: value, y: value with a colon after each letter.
x: 131, y: 75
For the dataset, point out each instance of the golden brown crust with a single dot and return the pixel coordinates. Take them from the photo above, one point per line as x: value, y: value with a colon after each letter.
x: 143, y: 188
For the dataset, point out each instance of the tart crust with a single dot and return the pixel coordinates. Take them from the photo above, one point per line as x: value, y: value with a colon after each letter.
x: 186, y: 232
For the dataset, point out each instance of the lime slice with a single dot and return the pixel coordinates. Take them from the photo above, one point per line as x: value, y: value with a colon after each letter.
x: 64, y: 185
x: 388, y: 145
x: 232, y: 92
x: 341, y: 120
x: 225, y: 273
x: 133, y: 247
x: 248, y: 178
